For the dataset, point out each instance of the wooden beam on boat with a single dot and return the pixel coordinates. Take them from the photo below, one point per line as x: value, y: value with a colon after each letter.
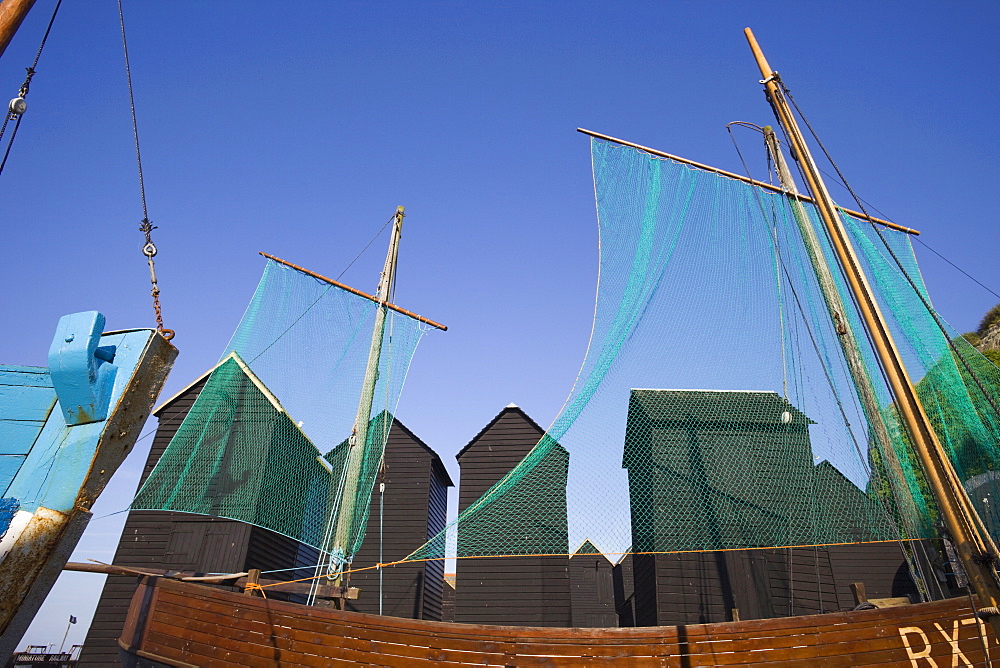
x: 744, y: 179
x: 239, y: 580
x: 12, y: 13
x: 342, y: 286
x: 181, y: 624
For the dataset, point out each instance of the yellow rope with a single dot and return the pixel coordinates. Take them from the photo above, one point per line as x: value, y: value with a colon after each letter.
x: 254, y: 586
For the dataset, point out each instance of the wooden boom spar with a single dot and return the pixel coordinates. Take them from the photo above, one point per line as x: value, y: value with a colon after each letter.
x: 744, y: 179
x: 975, y: 547
x: 343, y: 286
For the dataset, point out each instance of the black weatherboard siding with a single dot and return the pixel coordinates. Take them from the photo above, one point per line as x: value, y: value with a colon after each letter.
x: 412, y: 511
x: 624, y: 587
x: 591, y: 588
x: 522, y: 590
x: 415, y: 503
x: 181, y: 541
x: 710, y: 469
x: 704, y: 587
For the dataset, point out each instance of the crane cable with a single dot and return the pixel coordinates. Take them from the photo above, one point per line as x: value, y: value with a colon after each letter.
x: 17, y: 106
x: 145, y: 226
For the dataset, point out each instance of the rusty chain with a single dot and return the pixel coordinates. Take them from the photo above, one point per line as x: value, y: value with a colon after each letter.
x: 149, y: 250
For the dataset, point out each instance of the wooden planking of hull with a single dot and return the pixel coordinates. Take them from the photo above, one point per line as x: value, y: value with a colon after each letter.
x: 177, y: 623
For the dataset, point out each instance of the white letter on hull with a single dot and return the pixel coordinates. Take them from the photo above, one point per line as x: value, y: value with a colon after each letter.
x: 925, y: 653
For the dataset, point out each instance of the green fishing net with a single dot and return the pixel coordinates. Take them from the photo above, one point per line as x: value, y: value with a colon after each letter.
x: 260, y: 442
x: 716, y: 407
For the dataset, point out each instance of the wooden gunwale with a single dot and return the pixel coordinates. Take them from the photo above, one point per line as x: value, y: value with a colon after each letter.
x: 804, y: 624
x: 287, y: 639
x: 213, y: 627
x: 284, y: 642
x: 255, y: 609
x: 296, y: 639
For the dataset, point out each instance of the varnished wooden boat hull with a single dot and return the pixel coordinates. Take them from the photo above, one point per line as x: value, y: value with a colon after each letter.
x: 179, y: 623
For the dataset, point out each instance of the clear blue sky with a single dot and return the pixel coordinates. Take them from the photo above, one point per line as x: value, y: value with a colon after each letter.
x: 297, y: 128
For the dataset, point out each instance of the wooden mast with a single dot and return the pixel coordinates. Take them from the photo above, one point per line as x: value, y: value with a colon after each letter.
x: 974, y: 546
x: 12, y: 12
x: 344, y: 520
x: 838, y: 315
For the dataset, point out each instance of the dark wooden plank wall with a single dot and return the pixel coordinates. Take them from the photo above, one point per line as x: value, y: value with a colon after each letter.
x: 592, y: 591
x: 415, y: 509
x: 803, y: 582
x: 704, y: 587
x: 415, y: 481
x: 498, y: 448
x: 624, y: 587
x: 437, y: 518
x: 880, y: 566
x: 448, y: 603
x: 181, y: 541
x: 525, y: 590
x: 269, y: 551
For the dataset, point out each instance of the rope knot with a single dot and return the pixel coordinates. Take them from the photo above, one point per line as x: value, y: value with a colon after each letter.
x: 27, y: 82
x: 254, y: 586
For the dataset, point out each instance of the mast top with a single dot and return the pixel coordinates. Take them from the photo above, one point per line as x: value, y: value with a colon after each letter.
x: 758, y: 55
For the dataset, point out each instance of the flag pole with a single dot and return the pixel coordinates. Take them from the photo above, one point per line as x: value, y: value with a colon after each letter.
x: 72, y: 620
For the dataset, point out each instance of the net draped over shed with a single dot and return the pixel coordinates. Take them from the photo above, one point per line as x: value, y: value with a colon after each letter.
x: 715, y: 409
x: 256, y: 445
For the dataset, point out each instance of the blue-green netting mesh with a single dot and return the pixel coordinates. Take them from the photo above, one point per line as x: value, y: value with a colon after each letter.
x: 715, y: 408
x: 958, y: 387
x: 254, y: 445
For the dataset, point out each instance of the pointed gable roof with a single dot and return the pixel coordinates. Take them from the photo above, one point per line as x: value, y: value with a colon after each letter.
x: 588, y: 549
x: 507, y: 410
x: 200, y: 380
x: 435, y: 459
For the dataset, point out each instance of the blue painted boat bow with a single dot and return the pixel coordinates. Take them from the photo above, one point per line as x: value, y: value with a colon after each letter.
x: 64, y: 430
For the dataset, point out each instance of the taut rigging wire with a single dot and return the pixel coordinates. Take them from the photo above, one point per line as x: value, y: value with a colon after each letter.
x: 923, y: 300
x: 923, y: 243
x: 17, y: 106
x: 146, y: 226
